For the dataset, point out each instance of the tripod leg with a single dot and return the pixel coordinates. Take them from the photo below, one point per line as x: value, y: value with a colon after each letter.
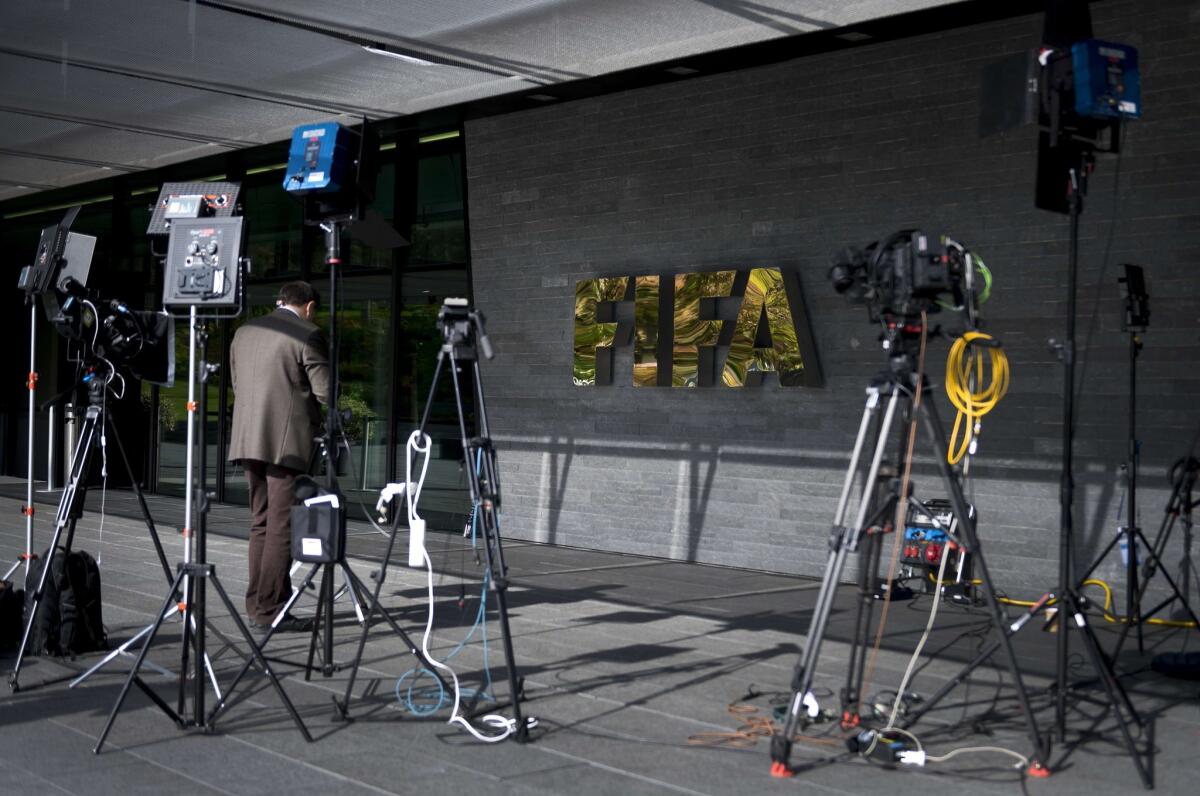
x: 864, y: 614
x: 915, y: 715
x: 141, y: 498
x: 349, y: 588
x: 1101, y: 556
x: 312, y: 640
x: 327, y: 578
x: 372, y: 606
x: 189, y: 595
x: 966, y: 527
x: 842, y: 538
x: 1154, y: 565
x: 163, y: 612
x: 261, y: 645
x: 485, y: 495
x: 1117, y: 696
x: 80, y: 466
x: 259, y: 658
x: 415, y: 649
x: 851, y: 698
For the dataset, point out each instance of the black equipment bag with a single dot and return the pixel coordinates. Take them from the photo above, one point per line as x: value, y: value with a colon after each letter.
x: 12, y: 612
x: 318, y: 533
x: 80, y: 611
x: 69, y: 618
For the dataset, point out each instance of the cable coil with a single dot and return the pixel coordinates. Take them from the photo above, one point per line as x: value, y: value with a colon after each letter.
x: 964, y: 373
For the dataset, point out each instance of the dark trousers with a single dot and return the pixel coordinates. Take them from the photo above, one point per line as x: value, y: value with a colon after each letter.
x: 271, y: 499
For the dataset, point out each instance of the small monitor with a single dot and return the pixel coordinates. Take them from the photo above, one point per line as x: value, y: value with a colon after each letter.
x: 182, y: 200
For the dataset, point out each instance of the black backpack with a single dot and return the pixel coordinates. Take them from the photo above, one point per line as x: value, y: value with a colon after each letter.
x: 69, y: 618
x: 12, y: 612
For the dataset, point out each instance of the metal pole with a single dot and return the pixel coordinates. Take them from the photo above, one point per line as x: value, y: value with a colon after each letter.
x: 1132, y: 532
x: 50, y: 450
x: 31, y: 383
x: 366, y: 448
x: 188, y: 500
x: 1077, y: 182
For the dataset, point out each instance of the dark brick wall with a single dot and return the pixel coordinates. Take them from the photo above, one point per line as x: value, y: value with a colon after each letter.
x: 781, y: 166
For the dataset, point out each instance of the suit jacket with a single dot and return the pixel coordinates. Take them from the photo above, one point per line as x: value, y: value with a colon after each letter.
x: 279, y: 364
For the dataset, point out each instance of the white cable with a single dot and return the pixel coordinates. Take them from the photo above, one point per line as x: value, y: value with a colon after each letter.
x: 506, y: 725
x: 920, y: 757
x: 912, y: 662
x: 1024, y: 761
x: 95, y: 323
x: 103, y: 473
x: 413, y: 491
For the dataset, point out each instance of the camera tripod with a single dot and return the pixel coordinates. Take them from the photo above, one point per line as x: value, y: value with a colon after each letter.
x: 898, y: 385
x: 464, y: 340
x: 192, y: 578
x: 97, y: 427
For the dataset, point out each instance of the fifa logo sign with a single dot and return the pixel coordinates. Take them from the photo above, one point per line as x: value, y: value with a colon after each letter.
x: 731, y: 328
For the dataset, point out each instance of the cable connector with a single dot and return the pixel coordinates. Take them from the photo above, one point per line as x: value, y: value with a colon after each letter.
x: 386, y: 496
x: 913, y: 757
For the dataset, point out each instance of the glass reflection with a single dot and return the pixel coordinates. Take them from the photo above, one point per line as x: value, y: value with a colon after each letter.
x: 691, y: 331
x: 751, y: 352
x: 590, y: 334
x: 645, y: 324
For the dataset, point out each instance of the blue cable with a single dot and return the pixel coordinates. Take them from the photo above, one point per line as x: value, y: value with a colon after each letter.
x: 425, y: 692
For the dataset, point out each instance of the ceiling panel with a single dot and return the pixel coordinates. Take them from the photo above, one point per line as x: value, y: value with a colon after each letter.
x: 24, y: 171
x: 136, y: 84
x: 12, y: 192
x: 118, y: 99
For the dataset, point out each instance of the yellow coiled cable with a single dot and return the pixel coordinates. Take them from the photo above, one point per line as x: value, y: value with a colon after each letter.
x: 964, y: 361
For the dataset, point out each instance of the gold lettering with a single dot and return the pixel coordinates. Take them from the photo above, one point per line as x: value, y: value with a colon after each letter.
x: 751, y: 352
x: 645, y: 327
x: 590, y: 333
x: 689, y: 363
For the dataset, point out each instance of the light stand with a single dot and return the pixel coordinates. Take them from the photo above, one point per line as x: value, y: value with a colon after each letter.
x: 1137, y: 318
x: 323, y: 623
x: 332, y: 228
x: 35, y: 280
x: 1179, y: 507
x: 196, y: 274
x: 31, y: 383
x: 334, y: 169
x: 1077, y: 177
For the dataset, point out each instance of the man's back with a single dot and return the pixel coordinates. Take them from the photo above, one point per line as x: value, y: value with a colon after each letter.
x: 279, y: 366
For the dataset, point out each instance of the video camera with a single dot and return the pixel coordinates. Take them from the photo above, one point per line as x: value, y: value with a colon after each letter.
x: 905, y: 274
x: 459, y: 323
x: 104, y: 329
x: 142, y: 341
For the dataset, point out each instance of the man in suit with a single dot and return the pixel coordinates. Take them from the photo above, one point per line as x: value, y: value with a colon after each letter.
x: 279, y: 365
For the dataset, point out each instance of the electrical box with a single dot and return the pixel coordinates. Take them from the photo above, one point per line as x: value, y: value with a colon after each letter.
x: 1107, y: 82
x: 321, y: 159
x: 929, y: 537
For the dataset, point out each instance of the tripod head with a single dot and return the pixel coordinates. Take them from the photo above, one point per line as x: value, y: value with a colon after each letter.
x: 462, y: 326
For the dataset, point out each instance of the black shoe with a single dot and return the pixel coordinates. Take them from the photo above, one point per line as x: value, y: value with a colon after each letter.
x: 289, y: 624
x: 294, y: 624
